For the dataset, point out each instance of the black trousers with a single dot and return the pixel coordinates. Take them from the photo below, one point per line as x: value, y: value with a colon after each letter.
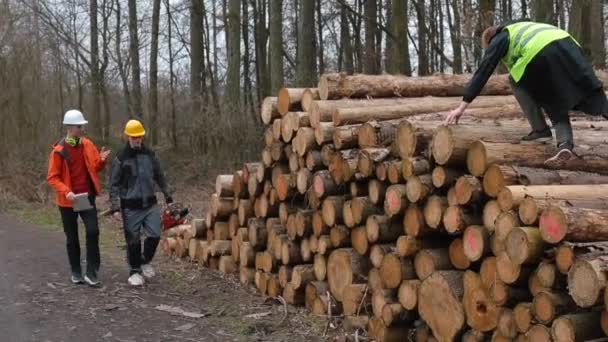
x: 70, y: 228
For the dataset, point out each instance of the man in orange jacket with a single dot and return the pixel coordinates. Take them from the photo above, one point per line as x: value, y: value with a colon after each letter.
x: 73, y: 166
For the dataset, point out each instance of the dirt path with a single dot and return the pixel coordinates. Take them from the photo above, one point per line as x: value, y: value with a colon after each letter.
x: 37, y: 302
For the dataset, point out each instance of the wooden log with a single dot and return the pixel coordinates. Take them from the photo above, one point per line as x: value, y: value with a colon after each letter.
x: 414, y: 223
x: 482, y: 154
x: 457, y: 257
x: 587, y: 279
x: 396, y: 199
x: 434, y: 210
x: 313, y: 161
x: 293, y: 296
x: 428, y: 261
x: 358, y: 188
x: 324, y: 185
x: 221, y: 207
x: 476, y: 242
x: 376, y: 191
x: 468, y: 189
x: 344, y: 137
x: 358, y: 237
x: 394, y: 172
x: 247, y: 255
x: 320, y: 267
x: 290, y: 253
x: 395, y: 269
x: 301, y: 275
x: 504, y: 224
x: 440, y: 303
x: 573, y: 224
x: 227, y: 264
x: 193, y: 245
x: 548, y: 276
x: 443, y: 177
x: 380, y: 298
x: 408, y: 246
x: 304, y: 141
x: 332, y: 210
x: 524, y: 245
x: 539, y: 332
x: 408, y: 293
x: 418, y: 188
x: 546, y: 305
x: 233, y: 224
x: 313, y: 290
x: 481, y: 311
x: 357, y: 299
x: 457, y: 218
x: 369, y: 158
x: 534, y: 284
x: 345, y: 267
x: 522, y: 316
x: 220, y: 247
x: 343, y: 165
x: 289, y: 99
x: 258, y: 233
x: 221, y: 231
x: 377, y: 253
x: 473, y: 336
x: 269, y: 110
x: 303, y: 223
x: 362, y: 208
x: 198, y: 228
x: 308, y: 97
x: 498, y: 176
x: 382, y: 229
x: 377, y: 133
x: 336, y: 86
x: 223, y: 186
x: 491, y: 210
x: 511, y: 272
x: 339, y: 236
x: 582, y: 326
x: 319, y: 227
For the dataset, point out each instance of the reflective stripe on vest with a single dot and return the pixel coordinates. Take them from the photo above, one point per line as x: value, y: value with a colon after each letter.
x: 526, y: 40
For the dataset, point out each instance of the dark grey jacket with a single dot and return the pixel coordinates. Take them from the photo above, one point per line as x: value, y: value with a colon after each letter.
x: 133, y: 179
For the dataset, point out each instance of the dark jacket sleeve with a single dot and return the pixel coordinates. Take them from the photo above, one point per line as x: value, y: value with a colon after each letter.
x: 499, y: 45
x: 160, y: 179
x: 115, y: 175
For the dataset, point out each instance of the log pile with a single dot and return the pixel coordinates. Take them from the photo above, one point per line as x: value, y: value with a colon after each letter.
x: 373, y: 211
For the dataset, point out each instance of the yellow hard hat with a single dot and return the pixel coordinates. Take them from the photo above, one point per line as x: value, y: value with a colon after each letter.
x: 135, y: 129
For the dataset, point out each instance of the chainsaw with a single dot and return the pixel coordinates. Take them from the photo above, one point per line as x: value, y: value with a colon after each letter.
x: 174, y: 215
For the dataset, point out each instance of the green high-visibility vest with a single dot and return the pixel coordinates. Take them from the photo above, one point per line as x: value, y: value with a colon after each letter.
x: 526, y: 40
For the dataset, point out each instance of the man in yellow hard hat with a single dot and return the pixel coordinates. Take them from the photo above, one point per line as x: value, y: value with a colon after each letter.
x: 135, y: 173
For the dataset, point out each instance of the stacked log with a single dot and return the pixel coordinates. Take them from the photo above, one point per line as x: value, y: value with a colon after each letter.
x: 372, y: 210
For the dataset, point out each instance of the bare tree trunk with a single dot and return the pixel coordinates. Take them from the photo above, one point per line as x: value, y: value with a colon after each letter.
x: 598, y: 41
x: 261, y: 38
x: 134, y: 51
x: 171, y: 77
x: 196, y: 56
x: 106, y: 14
x: 211, y: 67
x: 390, y: 41
x: 586, y: 26
x: 401, y: 56
x: 524, y: 8
x: 455, y: 34
x: 305, y: 67
x: 486, y: 19
x: 154, y: 72
x: 370, y: 65
x: 233, y: 86
x: 276, y: 45
x: 346, y: 50
x: 95, y: 84
x: 247, y: 86
x: 121, y: 67
x: 544, y: 11
x: 320, y: 37
x: 423, y: 58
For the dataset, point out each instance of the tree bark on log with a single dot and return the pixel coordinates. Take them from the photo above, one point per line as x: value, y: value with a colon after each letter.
x: 336, y: 86
x: 524, y: 245
x: 587, y: 279
x: 269, y: 110
x: 289, y: 99
x: 573, y: 224
x: 395, y: 269
x: 583, y: 326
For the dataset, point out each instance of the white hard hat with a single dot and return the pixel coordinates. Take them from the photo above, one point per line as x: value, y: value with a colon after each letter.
x: 74, y: 117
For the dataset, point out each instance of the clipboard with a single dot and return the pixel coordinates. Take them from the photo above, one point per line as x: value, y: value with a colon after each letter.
x: 81, y: 202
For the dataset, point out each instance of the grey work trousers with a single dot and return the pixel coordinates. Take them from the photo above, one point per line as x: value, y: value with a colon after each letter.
x: 534, y: 113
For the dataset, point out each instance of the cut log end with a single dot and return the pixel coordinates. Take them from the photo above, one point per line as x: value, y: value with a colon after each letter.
x: 493, y: 181
x: 586, y: 280
x: 553, y: 225
x: 442, y: 145
x: 475, y: 242
x: 477, y: 161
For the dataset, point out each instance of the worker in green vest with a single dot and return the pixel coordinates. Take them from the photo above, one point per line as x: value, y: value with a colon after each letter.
x: 548, y: 71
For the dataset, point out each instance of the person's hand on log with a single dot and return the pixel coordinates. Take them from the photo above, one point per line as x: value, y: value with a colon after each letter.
x: 454, y: 116
x: 70, y: 196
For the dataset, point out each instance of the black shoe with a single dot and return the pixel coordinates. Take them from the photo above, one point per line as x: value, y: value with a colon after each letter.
x: 77, y: 278
x: 91, y: 280
x: 539, y: 136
